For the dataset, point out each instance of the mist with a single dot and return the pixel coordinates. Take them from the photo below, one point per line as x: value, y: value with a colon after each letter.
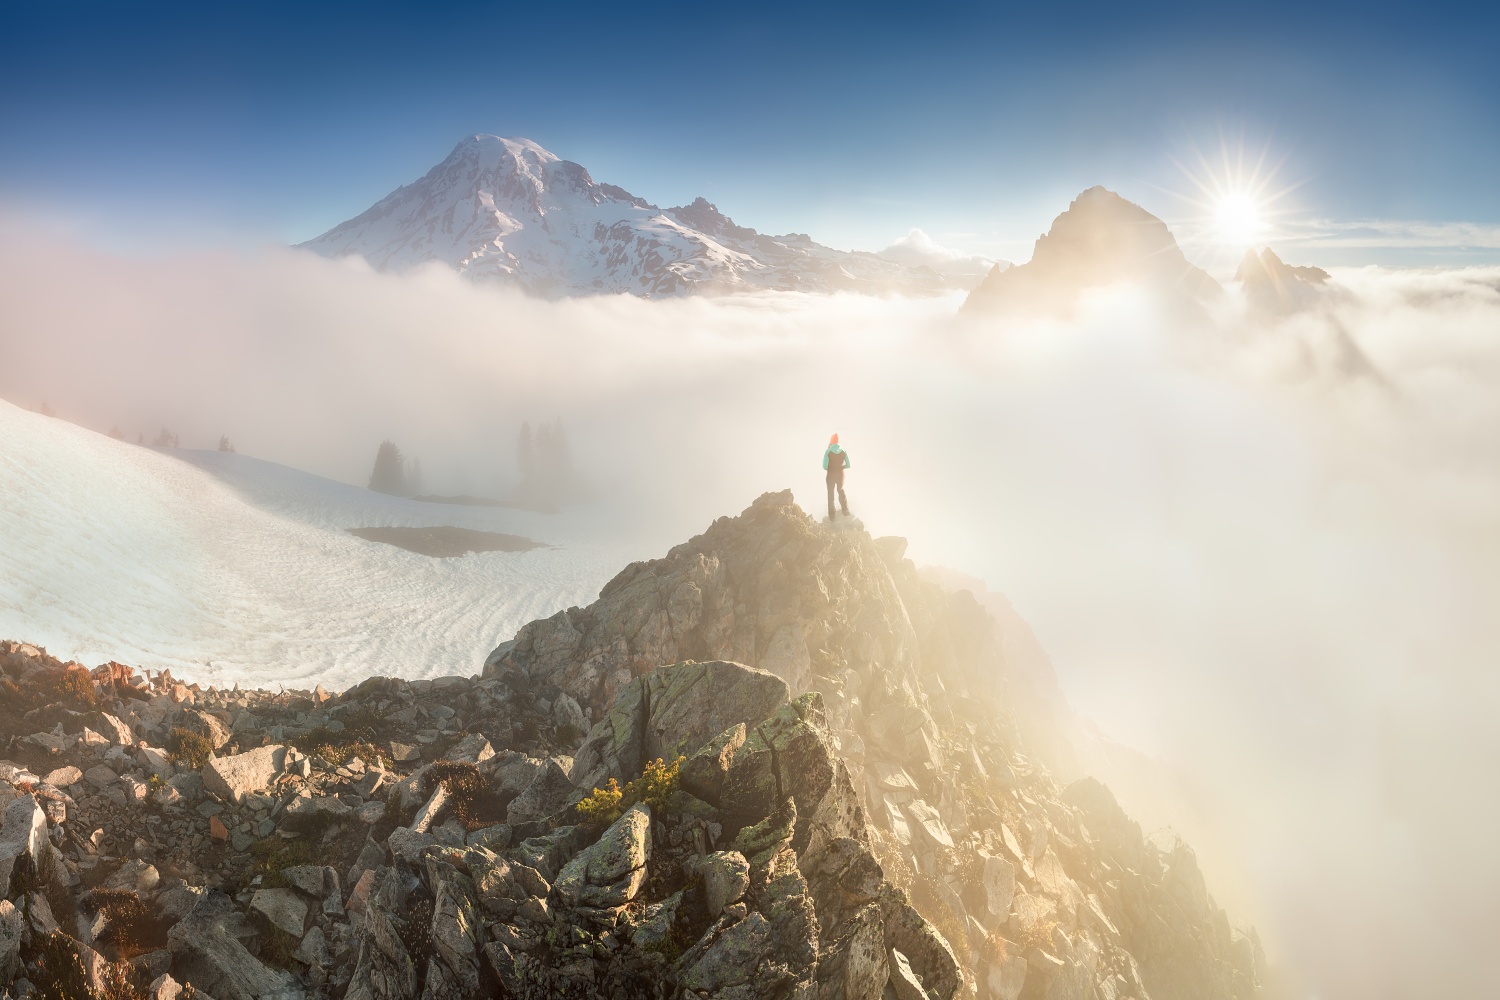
x: 1273, y: 574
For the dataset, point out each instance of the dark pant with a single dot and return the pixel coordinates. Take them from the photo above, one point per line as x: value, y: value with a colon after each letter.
x: 837, y: 484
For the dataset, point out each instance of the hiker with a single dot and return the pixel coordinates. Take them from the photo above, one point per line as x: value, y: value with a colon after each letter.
x: 835, y: 461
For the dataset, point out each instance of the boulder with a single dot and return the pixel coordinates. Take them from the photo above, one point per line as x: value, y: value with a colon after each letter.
x: 23, y: 842
x: 208, y: 953
x: 457, y: 931
x: 999, y: 881
x: 472, y: 749
x: 673, y: 711
x: 114, y: 730
x: 732, y: 959
x: 567, y: 713
x: 854, y: 966
x: 282, y: 908
x: 548, y: 793
x: 383, y: 969
x: 12, y: 929
x: 234, y: 777
x: 704, y: 772
x: 609, y: 872
x: 726, y: 876
x: 100, y: 776
x: 210, y: 727
x: 62, y: 777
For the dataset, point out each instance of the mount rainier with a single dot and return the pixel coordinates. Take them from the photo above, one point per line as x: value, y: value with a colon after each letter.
x: 509, y: 211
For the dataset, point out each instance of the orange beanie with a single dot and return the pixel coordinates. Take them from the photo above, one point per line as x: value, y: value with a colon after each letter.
x: 834, y: 439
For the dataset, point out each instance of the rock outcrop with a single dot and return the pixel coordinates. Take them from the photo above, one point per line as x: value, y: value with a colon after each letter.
x: 1100, y: 240
x: 806, y: 776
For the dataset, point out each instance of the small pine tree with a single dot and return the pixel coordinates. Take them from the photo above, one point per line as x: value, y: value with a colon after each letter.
x: 166, y: 439
x: 224, y: 443
x: 414, y: 484
x: 46, y: 410
x: 117, y: 434
x: 388, y: 475
x: 140, y: 437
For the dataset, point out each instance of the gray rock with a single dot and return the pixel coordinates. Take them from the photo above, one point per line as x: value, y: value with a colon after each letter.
x: 313, y: 951
x: 548, y: 793
x: 609, y: 872
x: 456, y: 928
x: 382, y: 970
x: 854, y: 966
x: 133, y: 876
x: 100, y: 776
x: 209, y: 954
x: 62, y: 777
x: 208, y: 726
x: 733, y: 957
x: 12, y: 928
x: 234, y: 777
x: 567, y: 712
x: 282, y: 909
x: 408, y: 844
x: 654, y: 931
x: 688, y: 705
x: 904, y: 983
x: 23, y: 842
x: 726, y: 877
x: 472, y: 749
x: 703, y: 773
x: 504, y: 885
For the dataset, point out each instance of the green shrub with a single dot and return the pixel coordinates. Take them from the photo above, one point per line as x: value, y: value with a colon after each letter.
x: 189, y: 749
x: 654, y: 787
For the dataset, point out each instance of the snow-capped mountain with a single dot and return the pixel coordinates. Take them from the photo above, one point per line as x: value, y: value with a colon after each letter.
x: 507, y: 210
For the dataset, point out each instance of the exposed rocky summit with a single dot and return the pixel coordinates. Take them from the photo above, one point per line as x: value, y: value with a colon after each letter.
x: 774, y: 764
x: 1101, y: 239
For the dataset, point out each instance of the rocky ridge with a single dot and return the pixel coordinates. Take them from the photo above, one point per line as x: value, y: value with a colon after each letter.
x: 829, y: 792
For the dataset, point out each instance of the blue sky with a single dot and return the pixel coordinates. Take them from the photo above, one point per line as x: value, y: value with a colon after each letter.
x: 179, y: 126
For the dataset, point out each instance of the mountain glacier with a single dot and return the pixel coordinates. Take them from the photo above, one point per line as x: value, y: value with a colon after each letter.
x: 508, y: 211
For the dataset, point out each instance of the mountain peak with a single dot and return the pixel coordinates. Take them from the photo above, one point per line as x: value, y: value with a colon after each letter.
x: 508, y: 210
x: 1102, y: 238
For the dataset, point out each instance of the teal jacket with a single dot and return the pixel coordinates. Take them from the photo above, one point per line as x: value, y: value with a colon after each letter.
x: 836, y: 453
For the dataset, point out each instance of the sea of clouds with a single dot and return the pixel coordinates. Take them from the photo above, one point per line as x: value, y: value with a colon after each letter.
x: 1264, y: 550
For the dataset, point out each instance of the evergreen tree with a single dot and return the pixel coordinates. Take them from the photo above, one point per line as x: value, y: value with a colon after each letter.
x: 224, y: 444
x: 414, y: 485
x: 388, y: 475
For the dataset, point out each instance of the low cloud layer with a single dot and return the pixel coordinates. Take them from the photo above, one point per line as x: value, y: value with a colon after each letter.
x: 1277, y: 576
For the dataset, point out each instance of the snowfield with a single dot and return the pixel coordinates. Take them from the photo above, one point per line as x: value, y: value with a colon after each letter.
x: 228, y: 569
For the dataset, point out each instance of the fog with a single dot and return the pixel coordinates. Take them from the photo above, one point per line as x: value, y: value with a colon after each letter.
x: 1274, y: 572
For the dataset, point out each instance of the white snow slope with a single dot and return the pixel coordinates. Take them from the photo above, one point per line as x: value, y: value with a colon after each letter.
x: 507, y: 210
x: 230, y: 569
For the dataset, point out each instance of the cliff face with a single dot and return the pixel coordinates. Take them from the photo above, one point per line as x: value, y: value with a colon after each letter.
x: 950, y: 741
x: 774, y: 764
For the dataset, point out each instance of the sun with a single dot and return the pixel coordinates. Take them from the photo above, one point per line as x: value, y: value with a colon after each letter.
x: 1234, y: 199
x: 1239, y: 219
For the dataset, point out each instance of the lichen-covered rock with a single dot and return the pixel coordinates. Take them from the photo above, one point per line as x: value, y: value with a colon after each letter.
x: 609, y: 872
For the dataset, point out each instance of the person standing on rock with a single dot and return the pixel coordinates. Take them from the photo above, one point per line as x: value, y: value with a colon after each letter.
x: 835, y: 461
